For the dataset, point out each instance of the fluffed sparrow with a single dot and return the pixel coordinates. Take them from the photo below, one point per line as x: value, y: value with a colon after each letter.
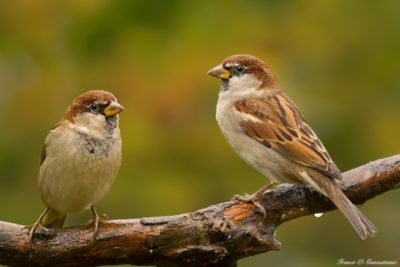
x: 267, y: 130
x: 80, y: 159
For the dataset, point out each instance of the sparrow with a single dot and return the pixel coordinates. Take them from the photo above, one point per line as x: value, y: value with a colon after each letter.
x: 267, y: 130
x: 80, y: 159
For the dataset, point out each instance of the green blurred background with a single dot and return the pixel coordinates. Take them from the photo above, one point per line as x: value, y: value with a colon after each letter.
x: 338, y: 60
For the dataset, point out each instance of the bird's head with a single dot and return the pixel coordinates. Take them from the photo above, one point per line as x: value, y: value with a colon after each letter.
x: 241, y: 73
x: 93, y: 109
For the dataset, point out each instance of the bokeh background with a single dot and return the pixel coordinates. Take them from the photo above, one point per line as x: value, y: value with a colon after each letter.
x: 338, y: 60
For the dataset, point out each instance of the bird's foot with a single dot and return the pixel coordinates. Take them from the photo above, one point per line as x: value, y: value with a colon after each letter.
x: 255, y: 198
x: 251, y: 199
x: 32, y: 231
x: 95, y: 222
x: 103, y: 217
x: 37, y: 224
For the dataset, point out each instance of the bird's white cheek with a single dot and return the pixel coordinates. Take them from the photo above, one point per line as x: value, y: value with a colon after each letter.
x: 90, y: 123
x: 244, y: 85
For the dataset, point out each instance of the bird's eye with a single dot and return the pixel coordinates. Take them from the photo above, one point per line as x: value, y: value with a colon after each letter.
x: 94, y: 106
x: 240, y: 68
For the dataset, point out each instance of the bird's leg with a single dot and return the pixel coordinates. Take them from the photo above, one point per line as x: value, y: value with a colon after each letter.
x: 254, y: 198
x: 261, y: 191
x: 95, y: 221
x: 37, y: 224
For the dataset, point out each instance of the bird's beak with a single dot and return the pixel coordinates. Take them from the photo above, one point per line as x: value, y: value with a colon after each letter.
x: 113, y: 109
x: 219, y: 72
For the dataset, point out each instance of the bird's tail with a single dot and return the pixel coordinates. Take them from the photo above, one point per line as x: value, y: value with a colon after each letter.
x: 358, y: 220
x: 53, y: 219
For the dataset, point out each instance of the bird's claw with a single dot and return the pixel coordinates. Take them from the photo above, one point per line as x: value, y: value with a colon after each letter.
x: 243, y: 198
x: 95, y: 223
x: 96, y: 220
x: 251, y: 199
x: 103, y: 217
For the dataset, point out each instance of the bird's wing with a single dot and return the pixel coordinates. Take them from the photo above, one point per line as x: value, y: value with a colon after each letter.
x: 276, y: 122
x: 43, y: 153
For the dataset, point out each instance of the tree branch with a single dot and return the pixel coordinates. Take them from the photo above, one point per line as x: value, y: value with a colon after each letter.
x: 215, y: 236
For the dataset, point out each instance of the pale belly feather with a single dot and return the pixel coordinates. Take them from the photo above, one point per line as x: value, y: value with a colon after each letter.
x: 73, y: 179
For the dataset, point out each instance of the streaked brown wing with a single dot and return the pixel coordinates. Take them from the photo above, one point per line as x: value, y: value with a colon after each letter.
x: 277, y: 123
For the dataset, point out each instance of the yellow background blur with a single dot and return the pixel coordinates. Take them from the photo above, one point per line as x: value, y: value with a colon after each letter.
x: 338, y: 60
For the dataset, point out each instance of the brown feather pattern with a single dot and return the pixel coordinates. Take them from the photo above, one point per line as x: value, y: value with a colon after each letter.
x: 279, y: 125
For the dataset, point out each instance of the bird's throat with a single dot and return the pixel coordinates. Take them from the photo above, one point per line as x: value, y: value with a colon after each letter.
x: 224, y: 84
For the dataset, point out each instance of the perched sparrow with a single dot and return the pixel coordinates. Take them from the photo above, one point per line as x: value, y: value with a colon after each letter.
x: 80, y: 158
x: 267, y: 130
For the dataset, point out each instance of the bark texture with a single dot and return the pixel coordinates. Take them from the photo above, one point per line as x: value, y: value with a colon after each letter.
x: 218, y: 235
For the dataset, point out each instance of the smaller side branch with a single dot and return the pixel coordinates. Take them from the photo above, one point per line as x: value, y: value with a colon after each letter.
x: 215, y: 236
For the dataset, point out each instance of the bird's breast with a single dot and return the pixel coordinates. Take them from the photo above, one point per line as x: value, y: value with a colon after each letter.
x: 78, y: 170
